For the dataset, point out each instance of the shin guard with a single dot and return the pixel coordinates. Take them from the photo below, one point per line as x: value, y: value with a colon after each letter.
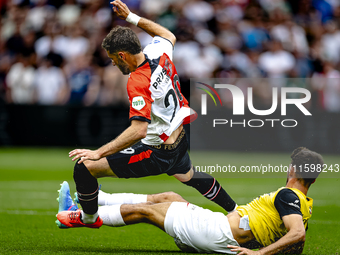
x: 87, y: 188
x: 210, y: 188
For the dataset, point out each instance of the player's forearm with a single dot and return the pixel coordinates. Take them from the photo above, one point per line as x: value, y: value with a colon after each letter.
x: 294, y: 249
x: 288, y: 241
x: 148, y: 26
x: 155, y: 29
x: 125, y: 140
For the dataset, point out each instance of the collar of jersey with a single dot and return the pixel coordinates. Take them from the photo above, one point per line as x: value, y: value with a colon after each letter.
x: 144, y: 62
x: 299, y: 191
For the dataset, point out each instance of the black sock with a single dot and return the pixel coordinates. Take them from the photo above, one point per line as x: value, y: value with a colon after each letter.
x: 209, y: 187
x: 87, y: 188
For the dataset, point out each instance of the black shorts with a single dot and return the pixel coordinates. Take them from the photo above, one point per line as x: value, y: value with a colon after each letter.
x: 145, y: 160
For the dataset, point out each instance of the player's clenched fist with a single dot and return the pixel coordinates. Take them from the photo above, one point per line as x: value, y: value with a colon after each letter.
x: 120, y: 9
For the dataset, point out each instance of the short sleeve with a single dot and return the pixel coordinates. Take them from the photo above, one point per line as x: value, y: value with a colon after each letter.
x: 287, y: 202
x: 140, y: 102
x: 157, y: 47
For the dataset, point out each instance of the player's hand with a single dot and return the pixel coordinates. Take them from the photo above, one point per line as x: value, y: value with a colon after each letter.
x: 243, y: 251
x: 120, y: 9
x: 83, y: 154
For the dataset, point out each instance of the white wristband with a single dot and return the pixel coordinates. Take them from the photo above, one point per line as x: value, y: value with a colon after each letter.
x: 132, y: 18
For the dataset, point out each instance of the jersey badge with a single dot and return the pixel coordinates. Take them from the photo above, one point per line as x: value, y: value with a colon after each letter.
x: 138, y: 103
x: 296, y: 206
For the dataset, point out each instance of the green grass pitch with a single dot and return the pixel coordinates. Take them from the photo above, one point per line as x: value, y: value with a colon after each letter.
x: 30, y: 177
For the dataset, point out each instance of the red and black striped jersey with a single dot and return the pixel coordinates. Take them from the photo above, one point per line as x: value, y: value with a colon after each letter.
x: 155, y: 93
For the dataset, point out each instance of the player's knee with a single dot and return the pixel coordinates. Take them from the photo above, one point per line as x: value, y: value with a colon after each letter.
x: 167, y: 197
x: 86, y: 183
x: 99, y: 168
x: 137, y: 212
x: 172, y: 197
x: 148, y: 203
x: 79, y: 171
x: 185, y: 177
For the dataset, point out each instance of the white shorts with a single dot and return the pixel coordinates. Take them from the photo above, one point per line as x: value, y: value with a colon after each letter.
x: 198, y: 229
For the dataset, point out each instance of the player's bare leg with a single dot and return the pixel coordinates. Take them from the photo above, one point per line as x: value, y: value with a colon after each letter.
x: 165, y: 197
x: 99, y: 168
x: 185, y: 177
x: 131, y: 198
x: 148, y: 213
x: 128, y: 214
x: 153, y: 211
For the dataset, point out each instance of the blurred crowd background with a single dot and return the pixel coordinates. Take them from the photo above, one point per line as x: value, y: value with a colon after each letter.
x: 50, y: 50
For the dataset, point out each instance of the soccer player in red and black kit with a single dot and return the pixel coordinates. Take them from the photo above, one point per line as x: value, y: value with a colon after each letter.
x: 155, y: 142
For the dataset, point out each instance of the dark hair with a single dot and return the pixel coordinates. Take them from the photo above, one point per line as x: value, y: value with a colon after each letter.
x: 308, y: 164
x: 122, y: 39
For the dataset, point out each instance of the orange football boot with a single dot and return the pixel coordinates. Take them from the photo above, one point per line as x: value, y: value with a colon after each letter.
x: 72, y: 219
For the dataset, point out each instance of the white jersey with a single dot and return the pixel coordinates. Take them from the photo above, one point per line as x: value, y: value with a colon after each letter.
x: 155, y: 93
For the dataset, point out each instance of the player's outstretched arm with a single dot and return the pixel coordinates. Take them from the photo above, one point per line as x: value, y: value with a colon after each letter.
x: 129, y: 137
x: 148, y: 26
x: 293, y: 241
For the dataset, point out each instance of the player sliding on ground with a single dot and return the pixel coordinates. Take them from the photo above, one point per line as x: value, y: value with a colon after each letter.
x: 158, y: 111
x: 277, y: 221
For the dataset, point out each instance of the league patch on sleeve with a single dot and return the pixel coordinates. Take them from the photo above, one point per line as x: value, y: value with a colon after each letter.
x: 138, y: 103
x: 296, y: 204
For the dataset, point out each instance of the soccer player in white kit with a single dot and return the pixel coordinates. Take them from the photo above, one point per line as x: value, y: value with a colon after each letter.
x: 276, y: 221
